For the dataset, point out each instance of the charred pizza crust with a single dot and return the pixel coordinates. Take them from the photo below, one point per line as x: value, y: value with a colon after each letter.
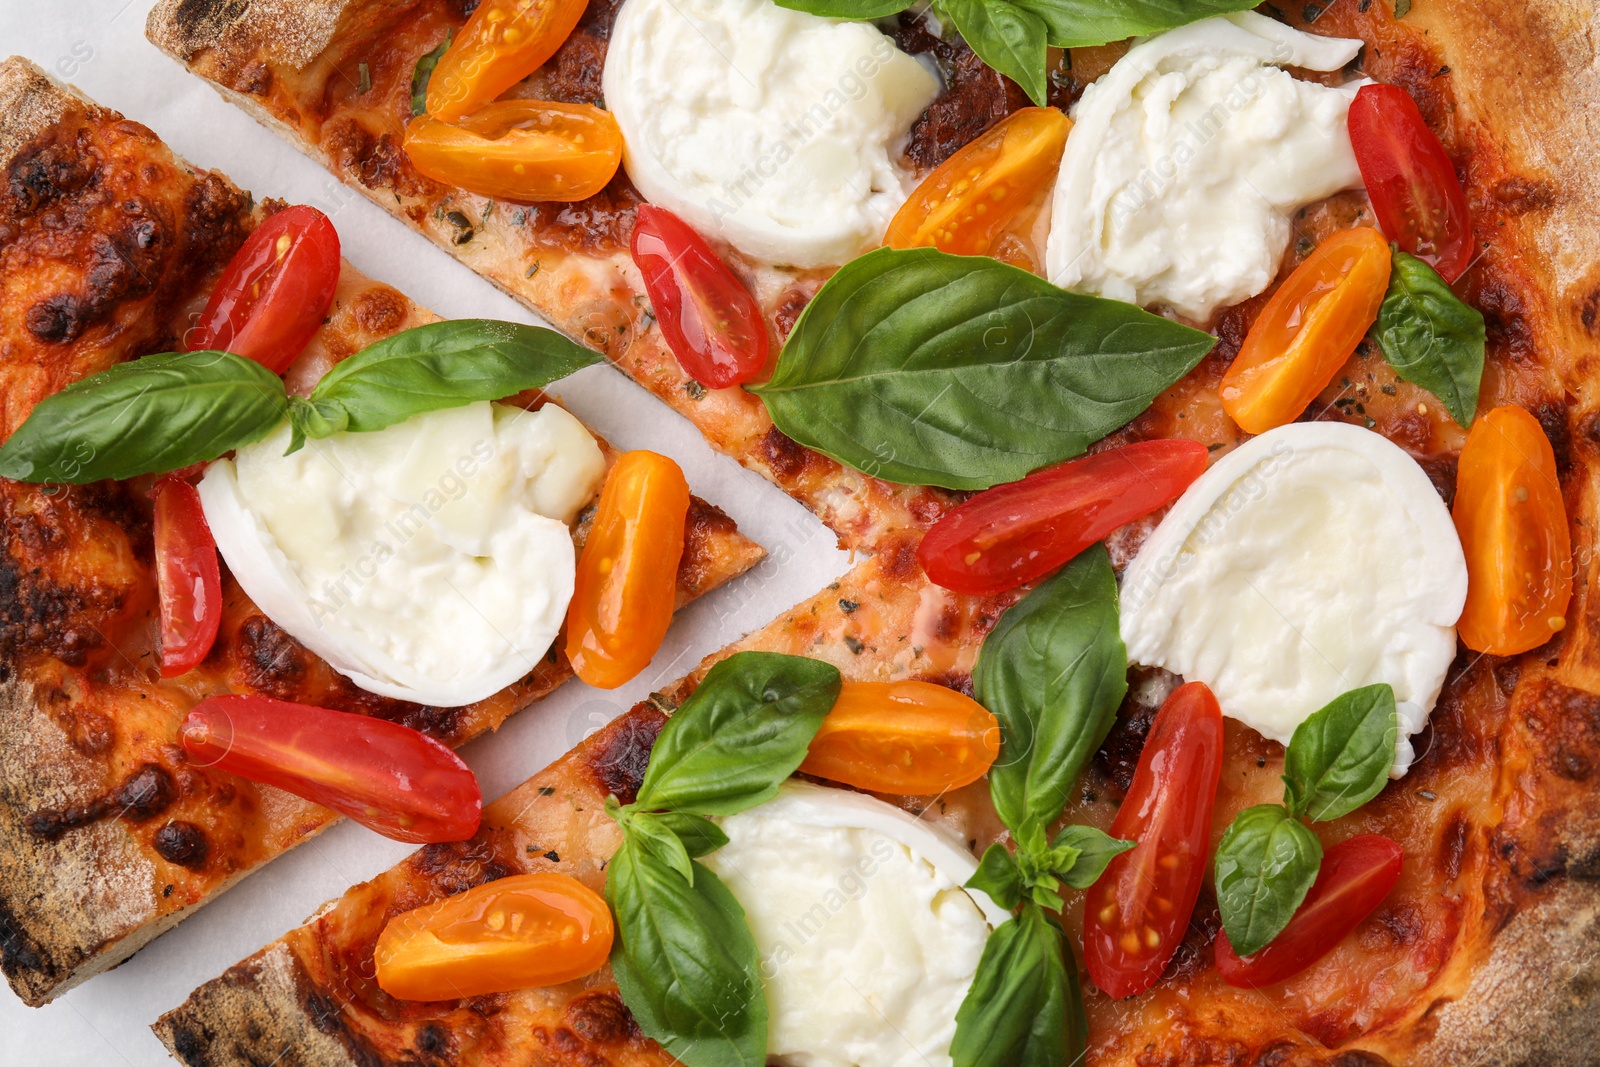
x: 107, y: 243
x: 1489, y: 952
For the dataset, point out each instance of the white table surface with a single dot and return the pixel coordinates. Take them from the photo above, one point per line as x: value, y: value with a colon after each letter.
x: 99, y: 46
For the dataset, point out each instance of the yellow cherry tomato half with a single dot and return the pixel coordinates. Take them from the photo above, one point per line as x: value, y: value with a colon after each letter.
x: 527, y: 150
x: 968, y: 200
x: 520, y: 932
x: 911, y: 738
x: 503, y: 42
x: 1513, y: 528
x: 1308, y: 330
x: 627, y: 583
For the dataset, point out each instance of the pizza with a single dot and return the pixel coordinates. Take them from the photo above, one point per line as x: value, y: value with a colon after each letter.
x: 1355, y: 527
x: 111, y: 246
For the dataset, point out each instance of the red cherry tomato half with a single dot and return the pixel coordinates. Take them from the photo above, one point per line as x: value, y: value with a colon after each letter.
x: 1356, y: 875
x: 1413, y: 185
x: 387, y: 777
x: 275, y: 291
x: 1012, y: 534
x: 188, y: 576
x: 711, y: 322
x: 1136, y: 915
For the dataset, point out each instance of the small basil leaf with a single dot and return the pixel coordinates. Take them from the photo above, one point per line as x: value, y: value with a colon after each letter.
x: 685, y: 962
x: 650, y: 834
x: 1076, y: 24
x: 1025, y: 1008
x: 443, y: 365
x: 1008, y: 38
x: 1429, y: 336
x: 960, y: 371
x: 321, y: 418
x: 146, y: 416
x: 1054, y: 672
x: 847, y: 9
x: 1266, y: 864
x: 1095, y: 849
x: 424, y: 71
x: 997, y: 875
x: 1339, y: 758
x: 744, y: 731
x: 700, y: 836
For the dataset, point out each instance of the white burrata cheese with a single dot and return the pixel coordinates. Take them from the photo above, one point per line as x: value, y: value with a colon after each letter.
x: 775, y: 130
x: 430, y: 561
x: 1310, y: 561
x: 1188, y: 158
x: 868, y: 941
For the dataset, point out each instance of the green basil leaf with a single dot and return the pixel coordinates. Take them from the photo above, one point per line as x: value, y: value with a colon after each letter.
x: 1431, y: 337
x: 1080, y: 24
x: 685, y: 962
x: 1266, y: 864
x: 1025, y: 1008
x: 1340, y: 757
x: 1095, y: 849
x: 424, y: 71
x: 997, y: 875
x: 1054, y: 672
x: 654, y: 837
x: 146, y: 416
x: 1008, y: 38
x: 741, y: 734
x: 960, y: 371
x: 847, y: 9
x: 700, y: 836
x: 440, y: 365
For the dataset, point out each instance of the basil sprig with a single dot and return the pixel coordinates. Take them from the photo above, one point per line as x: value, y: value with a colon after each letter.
x: 1012, y: 36
x: 165, y: 412
x: 684, y: 959
x: 1053, y: 672
x: 1337, y: 760
x: 426, y: 368
x: 924, y: 368
x: 146, y: 416
x: 1431, y: 337
x: 424, y: 73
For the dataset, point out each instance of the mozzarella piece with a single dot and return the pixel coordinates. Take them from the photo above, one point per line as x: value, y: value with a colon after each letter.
x: 1310, y: 561
x: 430, y: 561
x: 868, y: 941
x: 776, y: 130
x: 1188, y: 158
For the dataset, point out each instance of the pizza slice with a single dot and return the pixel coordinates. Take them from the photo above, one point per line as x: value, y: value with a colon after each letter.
x: 111, y: 245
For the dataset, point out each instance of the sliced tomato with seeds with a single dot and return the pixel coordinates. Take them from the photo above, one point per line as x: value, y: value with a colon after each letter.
x: 1412, y: 183
x: 520, y: 932
x: 911, y: 738
x: 1512, y: 521
x: 710, y: 320
x: 502, y: 43
x: 1356, y: 875
x: 1013, y: 534
x: 389, y: 778
x: 1136, y: 915
x: 188, y: 576
x: 275, y: 291
x: 524, y: 150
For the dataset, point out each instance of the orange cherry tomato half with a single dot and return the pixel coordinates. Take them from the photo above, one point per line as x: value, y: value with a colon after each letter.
x: 1412, y: 183
x: 1136, y: 915
x: 527, y: 150
x: 912, y: 738
x: 520, y: 932
x: 1013, y: 534
x: 503, y: 42
x: 1356, y: 875
x: 970, y: 198
x: 1308, y: 330
x: 711, y: 322
x: 275, y: 291
x: 626, y: 590
x: 1513, y: 528
x: 188, y: 577
x: 387, y: 777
